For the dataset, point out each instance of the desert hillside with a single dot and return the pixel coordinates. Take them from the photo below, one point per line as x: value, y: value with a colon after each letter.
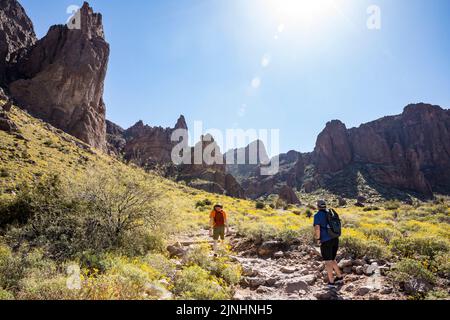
x: 62, y: 204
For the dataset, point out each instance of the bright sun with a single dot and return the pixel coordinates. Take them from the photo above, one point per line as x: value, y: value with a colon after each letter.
x: 301, y: 12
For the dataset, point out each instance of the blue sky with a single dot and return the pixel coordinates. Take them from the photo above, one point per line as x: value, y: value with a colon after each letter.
x: 307, y: 64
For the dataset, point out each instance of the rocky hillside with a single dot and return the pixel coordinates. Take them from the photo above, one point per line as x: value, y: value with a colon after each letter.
x: 390, y: 157
x: 60, y: 77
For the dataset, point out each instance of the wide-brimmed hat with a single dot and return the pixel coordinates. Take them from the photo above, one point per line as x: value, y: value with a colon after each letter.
x: 218, y: 205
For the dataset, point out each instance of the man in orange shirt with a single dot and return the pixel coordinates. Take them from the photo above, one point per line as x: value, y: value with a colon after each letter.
x: 218, y: 222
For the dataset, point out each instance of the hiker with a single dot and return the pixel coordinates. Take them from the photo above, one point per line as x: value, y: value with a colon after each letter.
x: 328, y: 239
x: 218, y: 223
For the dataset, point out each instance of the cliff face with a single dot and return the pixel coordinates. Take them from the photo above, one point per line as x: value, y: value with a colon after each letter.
x: 16, y: 36
x: 209, y: 173
x: 409, y: 152
x: 151, y: 148
x: 148, y: 146
x: 59, y: 78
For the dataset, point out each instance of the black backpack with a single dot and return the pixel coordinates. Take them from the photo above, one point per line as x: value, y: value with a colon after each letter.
x: 335, y: 229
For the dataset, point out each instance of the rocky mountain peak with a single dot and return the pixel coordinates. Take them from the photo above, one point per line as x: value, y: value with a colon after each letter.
x: 181, y: 123
x: 60, y: 78
x: 91, y: 22
x: 333, y: 151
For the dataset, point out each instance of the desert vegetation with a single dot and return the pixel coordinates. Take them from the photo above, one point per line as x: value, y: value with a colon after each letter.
x: 66, y: 209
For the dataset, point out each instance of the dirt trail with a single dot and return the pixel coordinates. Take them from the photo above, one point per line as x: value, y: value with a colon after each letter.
x: 296, y: 272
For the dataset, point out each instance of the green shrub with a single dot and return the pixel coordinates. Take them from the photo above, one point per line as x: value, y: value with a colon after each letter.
x: 6, y: 295
x: 4, y: 173
x: 104, y: 213
x: 195, y: 283
x: 438, y: 295
x: 371, y: 208
x: 382, y: 233
x: 45, y: 289
x: 412, y: 276
x: 308, y: 213
x: 160, y: 263
x: 260, y: 205
x: 220, y: 267
x: 441, y: 265
x: 203, y: 203
x: 257, y: 231
x: 392, y: 205
x: 12, y: 269
x: 359, y: 247
x: 414, y: 247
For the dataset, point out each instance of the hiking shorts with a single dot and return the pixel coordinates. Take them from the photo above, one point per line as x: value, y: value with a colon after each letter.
x: 219, y: 232
x: 329, y: 249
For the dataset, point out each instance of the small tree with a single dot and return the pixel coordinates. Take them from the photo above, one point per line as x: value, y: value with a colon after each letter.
x: 121, y: 203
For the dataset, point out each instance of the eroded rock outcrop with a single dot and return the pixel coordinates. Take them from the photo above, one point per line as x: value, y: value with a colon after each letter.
x: 207, y: 170
x: 404, y: 153
x: 60, y: 78
x: 150, y: 146
x: 410, y: 151
x: 288, y: 195
x: 16, y: 36
x: 333, y: 151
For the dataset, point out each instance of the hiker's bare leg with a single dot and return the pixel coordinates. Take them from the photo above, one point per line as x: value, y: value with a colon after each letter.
x: 329, y: 268
x: 336, y: 269
x: 215, y: 245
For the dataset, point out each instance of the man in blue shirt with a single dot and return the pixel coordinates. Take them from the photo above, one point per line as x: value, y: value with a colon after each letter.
x: 328, y: 245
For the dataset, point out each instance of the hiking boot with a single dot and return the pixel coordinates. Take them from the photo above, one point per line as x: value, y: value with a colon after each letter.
x: 331, y: 285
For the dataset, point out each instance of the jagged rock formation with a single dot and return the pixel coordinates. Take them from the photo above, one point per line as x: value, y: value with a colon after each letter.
x: 16, y: 36
x: 288, y: 195
x: 209, y: 173
x: 149, y: 146
x: 409, y: 152
x: 6, y: 124
x: 60, y: 78
x: 290, y: 173
x: 115, y: 138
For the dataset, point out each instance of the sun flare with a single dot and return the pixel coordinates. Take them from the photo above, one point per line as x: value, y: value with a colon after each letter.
x: 301, y: 12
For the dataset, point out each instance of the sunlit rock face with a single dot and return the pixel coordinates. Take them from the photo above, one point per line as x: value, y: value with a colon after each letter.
x: 60, y: 78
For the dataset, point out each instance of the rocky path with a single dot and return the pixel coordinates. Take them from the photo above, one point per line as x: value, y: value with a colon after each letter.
x: 275, y: 271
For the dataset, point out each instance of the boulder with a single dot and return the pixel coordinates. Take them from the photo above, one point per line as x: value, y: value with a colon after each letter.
x: 176, y: 251
x: 253, y: 282
x: 344, y: 263
x: 6, y: 124
x: 362, y: 291
x: 342, y: 202
x: 309, y: 279
x: 7, y: 106
x: 326, y: 295
x: 359, y: 270
x: 416, y: 286
x: 269, y: 248
x: 370, y: 269
x: 278, y: 255
x: 288, y: 195
x: 288, y: 270
x: 295, y: 285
